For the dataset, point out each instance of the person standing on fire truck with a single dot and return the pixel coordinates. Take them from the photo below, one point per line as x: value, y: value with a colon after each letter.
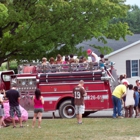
x: 79, y: 94
x: 14, y: 97
x: 93, y: 56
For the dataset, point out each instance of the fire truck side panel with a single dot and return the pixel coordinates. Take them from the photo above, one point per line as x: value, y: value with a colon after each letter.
x: 107, y: 86
x: 53, y: 101
x: 57, y: 87
x: 97, y: 94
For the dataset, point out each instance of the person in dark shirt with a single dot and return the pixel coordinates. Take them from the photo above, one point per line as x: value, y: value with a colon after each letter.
x: 138, y: 86
x: 79, y: 93
x: 14, y: 97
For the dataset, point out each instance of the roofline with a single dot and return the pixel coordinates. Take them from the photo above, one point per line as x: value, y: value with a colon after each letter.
x: 122, y: 49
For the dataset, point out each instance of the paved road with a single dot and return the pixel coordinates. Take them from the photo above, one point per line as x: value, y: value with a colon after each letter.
x: 49, y: 115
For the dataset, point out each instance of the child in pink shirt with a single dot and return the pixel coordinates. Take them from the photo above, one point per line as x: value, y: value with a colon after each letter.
x: 38, y: 107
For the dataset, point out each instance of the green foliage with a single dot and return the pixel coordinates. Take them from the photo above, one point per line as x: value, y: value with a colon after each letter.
x: 3, y: 14
x: 36, y: 28
x: 103, y: 50
x: 13, y: 66
x: 3, y: 67
x: 132, y: 19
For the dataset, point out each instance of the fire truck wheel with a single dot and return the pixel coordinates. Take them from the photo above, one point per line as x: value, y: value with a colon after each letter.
x: 67, y: 110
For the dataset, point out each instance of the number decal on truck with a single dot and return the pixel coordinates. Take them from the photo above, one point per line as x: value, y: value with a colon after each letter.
x: 97, y: 97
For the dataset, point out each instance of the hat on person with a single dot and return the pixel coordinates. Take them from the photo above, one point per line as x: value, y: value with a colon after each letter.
x: 89, y: 51
x: 125, y: 82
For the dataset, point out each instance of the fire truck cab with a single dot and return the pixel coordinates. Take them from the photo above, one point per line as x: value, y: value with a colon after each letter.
x: 56, y: 83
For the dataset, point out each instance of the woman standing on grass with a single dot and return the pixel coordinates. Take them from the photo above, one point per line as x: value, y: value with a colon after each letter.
x: 38, y: 107
x: 129, y: 102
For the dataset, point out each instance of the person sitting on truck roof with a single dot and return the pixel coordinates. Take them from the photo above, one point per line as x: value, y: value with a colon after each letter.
x: 71, y: 60
x: 117, y: 96
x: 44, y: 61
x: 66, y: 61
x: 81, y: 59
x: 71, y: 57
x: 85, y: 60
x: 59, y: 59
x: 79, y: 93
x: 52, y: 61
x: 101, y: 62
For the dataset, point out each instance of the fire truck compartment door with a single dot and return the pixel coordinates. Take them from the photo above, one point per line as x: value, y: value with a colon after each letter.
x: 97, y: 100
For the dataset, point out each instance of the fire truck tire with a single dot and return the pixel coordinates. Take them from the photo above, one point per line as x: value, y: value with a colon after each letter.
x: 67, y: 110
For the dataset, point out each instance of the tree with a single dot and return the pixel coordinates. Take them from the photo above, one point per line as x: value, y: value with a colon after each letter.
x: 132, y: 19
x: 31, y: 29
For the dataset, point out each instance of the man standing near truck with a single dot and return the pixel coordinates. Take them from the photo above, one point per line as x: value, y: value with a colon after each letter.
x: 79, y: 94
x: 14, y: 97
x: 117, y: 95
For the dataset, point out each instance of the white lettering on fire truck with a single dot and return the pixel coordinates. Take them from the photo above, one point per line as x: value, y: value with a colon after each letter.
x: 96, y: 97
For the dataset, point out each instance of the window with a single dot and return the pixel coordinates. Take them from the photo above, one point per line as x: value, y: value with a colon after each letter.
x: 6, y: 77
x: 134, y: 68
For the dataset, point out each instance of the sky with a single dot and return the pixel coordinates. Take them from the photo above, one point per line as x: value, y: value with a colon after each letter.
x: 133, y: 2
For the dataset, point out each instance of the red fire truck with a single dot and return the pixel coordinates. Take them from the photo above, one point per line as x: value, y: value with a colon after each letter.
x: 56, y: 83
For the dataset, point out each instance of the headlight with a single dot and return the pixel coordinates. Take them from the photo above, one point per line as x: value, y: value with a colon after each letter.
x: 30, y: 82
x: 23, y: 83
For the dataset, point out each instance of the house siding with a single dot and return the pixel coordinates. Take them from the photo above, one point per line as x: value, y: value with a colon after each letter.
x: 131, y: 53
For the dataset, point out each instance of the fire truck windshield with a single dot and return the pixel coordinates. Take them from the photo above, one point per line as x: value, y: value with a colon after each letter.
x: 6, y: 77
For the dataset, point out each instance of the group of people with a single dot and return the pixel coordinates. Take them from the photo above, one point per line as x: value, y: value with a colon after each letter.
x: 13, y: 97
x: 124, y: 94
x: 126, y: 97
x: 70, y: 59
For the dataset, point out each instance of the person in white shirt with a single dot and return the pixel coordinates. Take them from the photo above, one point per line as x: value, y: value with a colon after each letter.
x: 93, y: 56
x: 129, y: 102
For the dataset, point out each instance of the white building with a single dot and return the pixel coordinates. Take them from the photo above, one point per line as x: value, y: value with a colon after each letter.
x: 126, y: 55
x: 127, y: 61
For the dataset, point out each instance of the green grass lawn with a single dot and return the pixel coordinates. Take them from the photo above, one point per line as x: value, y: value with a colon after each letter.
x: 68, y: 129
